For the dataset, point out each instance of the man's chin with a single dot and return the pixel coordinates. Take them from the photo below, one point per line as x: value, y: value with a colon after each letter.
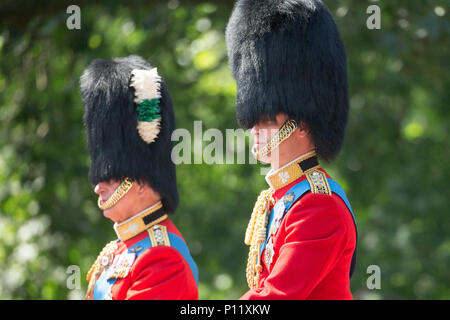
x: 110, y: 214
x: 263, y: 159
x: 107, y: 213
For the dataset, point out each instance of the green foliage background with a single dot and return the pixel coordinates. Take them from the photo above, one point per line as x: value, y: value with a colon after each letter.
x: 394, y: 164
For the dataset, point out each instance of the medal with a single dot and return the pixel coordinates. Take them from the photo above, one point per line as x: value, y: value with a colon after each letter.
x: 269, y: 253
x: 103, y: 261
x: 278, y: 215
x: 122, y: 265
x: 125, y: 266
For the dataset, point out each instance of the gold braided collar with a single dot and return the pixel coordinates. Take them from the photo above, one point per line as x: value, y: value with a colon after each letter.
x: 140, y: 222
x: 290, y: 172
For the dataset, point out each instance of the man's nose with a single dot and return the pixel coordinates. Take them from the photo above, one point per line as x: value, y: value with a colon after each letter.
x: 98, y: 188
x: 254, y: 131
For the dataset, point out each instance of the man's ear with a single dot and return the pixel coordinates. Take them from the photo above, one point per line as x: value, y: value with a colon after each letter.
x: 303, y: 135
x: 302, y: 130
x: 141, y: 187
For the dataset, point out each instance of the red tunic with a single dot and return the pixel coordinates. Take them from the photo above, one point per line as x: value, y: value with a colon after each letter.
x: 313, y: 250
x: 159, y: 272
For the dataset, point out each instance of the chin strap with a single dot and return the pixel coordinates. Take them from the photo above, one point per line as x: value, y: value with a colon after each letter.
x: 282, y: 134
x: 121, y: 190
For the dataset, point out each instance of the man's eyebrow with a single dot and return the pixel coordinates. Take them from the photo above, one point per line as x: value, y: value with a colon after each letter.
x: 267, y: 121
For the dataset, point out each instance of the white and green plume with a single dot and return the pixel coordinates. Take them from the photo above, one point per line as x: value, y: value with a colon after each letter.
x: 147, y: 87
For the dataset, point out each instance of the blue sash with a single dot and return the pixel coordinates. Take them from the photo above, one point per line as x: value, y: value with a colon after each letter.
x: 103, y: 284
x: 297, y: 191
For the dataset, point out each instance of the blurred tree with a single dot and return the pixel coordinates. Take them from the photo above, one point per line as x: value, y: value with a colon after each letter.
x: 394, y: 164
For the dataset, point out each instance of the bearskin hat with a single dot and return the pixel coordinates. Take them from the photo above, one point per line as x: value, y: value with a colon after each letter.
x: 116, y: 147
x: 287, y: 57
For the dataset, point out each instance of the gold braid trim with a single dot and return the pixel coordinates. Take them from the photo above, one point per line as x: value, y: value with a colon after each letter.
x: 255, y: 236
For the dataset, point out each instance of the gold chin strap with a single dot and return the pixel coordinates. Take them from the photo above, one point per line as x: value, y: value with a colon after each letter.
x: 121, y: 190
x: 282, y: 134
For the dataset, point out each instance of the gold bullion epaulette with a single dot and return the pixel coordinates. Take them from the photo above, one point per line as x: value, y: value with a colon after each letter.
x: 158, y: 235
x: 318, y: 182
